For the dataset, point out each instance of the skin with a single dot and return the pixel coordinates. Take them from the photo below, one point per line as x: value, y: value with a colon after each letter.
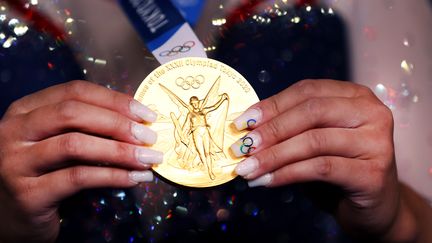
x: 340, y: 133
x: 51, y: 143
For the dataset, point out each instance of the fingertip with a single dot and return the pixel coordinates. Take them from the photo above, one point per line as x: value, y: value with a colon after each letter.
x: 144, y: 134
x: 137, y: 177
x: 247, y: 166
x: 248, y: 119
x: 235, y: 149
x: 142, y: 111
x: 148, y: 156
x: 246, y: 145
x: 264, y: 180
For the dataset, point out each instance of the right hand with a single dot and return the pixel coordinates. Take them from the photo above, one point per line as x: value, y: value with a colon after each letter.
x: 51, y: 145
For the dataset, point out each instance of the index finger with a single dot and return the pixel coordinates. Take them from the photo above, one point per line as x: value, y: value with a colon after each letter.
x: 266, y: 109
x: 85, y: 92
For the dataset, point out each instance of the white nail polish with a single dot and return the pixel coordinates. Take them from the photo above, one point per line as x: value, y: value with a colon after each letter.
x: 141, y: 176
x: 263, y: 180
x: 248, y: 119
x: 247, y: 166
x: 148, y: 156
x: 142, y: 111
x: 144, y: 134
x: 246, y: 144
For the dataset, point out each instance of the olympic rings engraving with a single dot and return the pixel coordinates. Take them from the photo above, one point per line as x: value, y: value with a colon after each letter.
x: 187, y: 46
x: 189, y: 81
x: 250, y: 123
x: 246, y: 146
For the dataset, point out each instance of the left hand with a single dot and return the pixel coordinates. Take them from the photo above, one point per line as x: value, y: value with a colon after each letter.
x: 329, y: 131
x: 64, y: 139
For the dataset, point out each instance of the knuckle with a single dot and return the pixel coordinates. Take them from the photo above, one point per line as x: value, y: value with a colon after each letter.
x: 273, y: 105
x: 122, y: 151
x: 66, y: 110
x: 380, y: 116
x: 25, y: 188
x: 119, y: 123
x: 313, y: 108
x: 308, y: 87
x: 386, y: 116
x: 77, y: 177
x: 15, y: 108
x: 317, y: 142
x: 383, y: 145
x: 271, y: 157
x: 69, y: 144
x: 381, y: 166
x: 121, y: 100
x: 274, y: 129
x: 366, y: 103
x: 24, y: 191
x: 324, y: 167
x: 364, y: 91
x: 75, y: 88
x: 113, y: 176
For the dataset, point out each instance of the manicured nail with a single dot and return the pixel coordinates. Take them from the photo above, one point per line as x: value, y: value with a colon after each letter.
x: 263, y: 180
x: 144, y: 134
x: 142, y: 111
x: 148, y: 156
x: 246, y: 144
x: 141, y: 176
x: 247, y: 166
x: 248, y: 119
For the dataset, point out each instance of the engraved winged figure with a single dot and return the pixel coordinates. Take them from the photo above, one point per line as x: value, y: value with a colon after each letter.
x: 199, y: 128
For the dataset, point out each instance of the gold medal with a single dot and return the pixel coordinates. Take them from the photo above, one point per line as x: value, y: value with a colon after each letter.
x: 196, y: 100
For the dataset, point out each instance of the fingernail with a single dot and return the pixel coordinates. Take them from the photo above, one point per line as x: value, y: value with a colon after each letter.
x: 141, y: 176
x: 247, y: 166
x: 263, y: 180
x: 246, y: 144
x: 142, y: 111
x: 148, y: 156
x: 144, y: 134
x: 248, y: 119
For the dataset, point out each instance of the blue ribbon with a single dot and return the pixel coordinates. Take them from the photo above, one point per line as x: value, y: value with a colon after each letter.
x: 159, y: 22
x: 190, y: 9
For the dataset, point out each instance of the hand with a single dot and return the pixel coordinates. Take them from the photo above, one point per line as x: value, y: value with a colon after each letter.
x: 327, y: 131
x: 51, y: 146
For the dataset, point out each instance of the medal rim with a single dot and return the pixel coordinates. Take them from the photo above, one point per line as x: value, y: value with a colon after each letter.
x: 140, y: 98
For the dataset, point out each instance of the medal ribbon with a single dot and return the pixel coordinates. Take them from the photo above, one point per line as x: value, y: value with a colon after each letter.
x: 163, y: 29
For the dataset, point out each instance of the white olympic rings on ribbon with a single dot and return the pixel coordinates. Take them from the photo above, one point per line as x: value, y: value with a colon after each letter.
x: 187, y: 46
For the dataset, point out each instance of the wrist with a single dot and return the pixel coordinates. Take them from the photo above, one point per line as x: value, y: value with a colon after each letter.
x: 392, y: 220
x: 404, y: 226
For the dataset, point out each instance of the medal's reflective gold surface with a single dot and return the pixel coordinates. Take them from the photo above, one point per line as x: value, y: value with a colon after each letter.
x: 196, y: 100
